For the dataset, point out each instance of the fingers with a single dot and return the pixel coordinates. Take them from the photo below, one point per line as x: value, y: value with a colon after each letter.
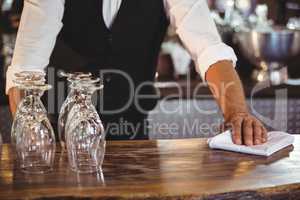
x: 223, y: 127
x: 248, y: 131
x: 237, y: 131
x: 15, y: 96
x: 264, y: 134
x: 258, y: 135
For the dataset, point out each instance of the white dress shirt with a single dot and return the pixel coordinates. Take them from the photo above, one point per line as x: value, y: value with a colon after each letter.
x: 41, y: 22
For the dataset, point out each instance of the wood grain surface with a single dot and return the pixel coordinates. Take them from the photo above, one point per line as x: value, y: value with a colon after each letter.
x: 163, y: 169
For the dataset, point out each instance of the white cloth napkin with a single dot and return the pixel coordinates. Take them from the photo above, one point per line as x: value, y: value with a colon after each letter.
x: 276, y: 141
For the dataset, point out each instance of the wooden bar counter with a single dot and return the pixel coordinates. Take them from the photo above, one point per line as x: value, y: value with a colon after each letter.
x: 163, y: 169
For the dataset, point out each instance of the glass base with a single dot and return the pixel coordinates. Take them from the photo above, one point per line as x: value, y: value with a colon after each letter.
x: 36, y: 169
x: 86, y: 169
x: 63, y: 146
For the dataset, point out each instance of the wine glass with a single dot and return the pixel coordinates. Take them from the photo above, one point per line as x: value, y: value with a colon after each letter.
x: 73, y: 79
x: 85, y: 136
x: 32, y: 132
x: 24, y: 78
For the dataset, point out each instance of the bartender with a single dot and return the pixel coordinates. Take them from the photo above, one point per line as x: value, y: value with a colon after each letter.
x: 125, y: 36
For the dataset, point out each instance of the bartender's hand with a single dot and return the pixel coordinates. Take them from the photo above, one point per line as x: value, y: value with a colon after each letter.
x: 14, y: 96
x: 246, y: 129
x: 227, y: 89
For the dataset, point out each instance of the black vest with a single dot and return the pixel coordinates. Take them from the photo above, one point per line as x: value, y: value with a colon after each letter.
x: 131, y: 45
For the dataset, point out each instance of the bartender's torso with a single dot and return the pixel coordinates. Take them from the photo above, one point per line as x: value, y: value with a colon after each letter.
x: 129, y: 46
x: 131, y: 43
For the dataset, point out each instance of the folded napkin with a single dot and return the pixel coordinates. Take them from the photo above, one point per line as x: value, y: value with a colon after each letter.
x: 276, y: 141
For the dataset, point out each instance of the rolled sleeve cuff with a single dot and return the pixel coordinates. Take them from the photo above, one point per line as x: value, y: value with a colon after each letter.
x: 10, y: 74
x: 212, y: 55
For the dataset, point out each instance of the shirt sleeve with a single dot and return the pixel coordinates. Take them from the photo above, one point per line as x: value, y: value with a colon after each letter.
x: 197, y: 30
x: 41, y: 21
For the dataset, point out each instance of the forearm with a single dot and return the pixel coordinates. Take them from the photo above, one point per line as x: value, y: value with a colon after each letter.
x: 36, y: 37
x: 227, y: 89
x: 35, y: 41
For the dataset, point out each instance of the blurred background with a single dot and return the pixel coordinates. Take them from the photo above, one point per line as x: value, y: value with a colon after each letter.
x: 265, y: 35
